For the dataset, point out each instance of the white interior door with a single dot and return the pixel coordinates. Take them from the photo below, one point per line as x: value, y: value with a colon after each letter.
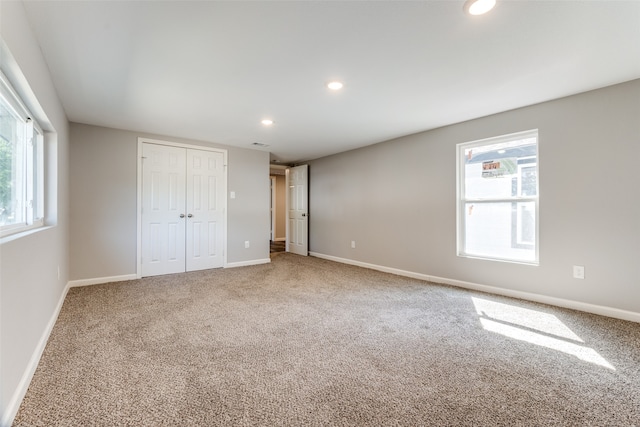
x: 163, y: 204
x: 205, y: 209
x: 298, y: 215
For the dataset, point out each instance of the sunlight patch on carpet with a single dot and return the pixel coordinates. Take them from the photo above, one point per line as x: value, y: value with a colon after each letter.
x: 534, y: 327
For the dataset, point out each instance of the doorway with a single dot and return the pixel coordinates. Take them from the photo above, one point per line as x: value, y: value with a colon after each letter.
x: 182, y: 208
x: 290, y: 213
x: 278, y: 235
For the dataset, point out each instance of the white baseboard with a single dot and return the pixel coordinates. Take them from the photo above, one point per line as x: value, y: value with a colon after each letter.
x: 246, y: 263
x: 559, y: 302
x: 23, y: 385
x: 373, y: 266
x: 100, y: 280
x: 110, y: 279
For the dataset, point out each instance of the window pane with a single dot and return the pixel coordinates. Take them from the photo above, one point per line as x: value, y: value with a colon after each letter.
x: 528, y: 180
x: 500, y: 230
x: 501, y: 170
x: 12, y: 164
x: 526, y: 223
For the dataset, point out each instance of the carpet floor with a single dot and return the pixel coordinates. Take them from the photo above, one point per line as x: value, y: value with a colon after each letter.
x: 308, y: 342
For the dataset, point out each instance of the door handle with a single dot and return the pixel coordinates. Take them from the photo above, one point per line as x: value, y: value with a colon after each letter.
x: 304, y: 214
x: 181, y: 215
x: 189, y: 216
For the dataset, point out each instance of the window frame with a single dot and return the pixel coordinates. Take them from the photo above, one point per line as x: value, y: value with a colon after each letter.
x: 33, y: 164
x: 462, y: 201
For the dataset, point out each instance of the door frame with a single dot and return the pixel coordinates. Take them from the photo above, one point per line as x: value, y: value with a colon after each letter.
x: 286, y: 208
x: 273, y: 181
x: 142, y: 141
x: 283, y: 168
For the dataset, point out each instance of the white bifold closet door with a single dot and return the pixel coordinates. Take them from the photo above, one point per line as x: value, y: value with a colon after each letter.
x: 183, y: 198
x: 205, y: 209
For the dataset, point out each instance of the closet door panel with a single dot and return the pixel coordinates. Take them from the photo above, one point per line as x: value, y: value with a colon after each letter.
x: 205, y: 209
x: 163, y: 210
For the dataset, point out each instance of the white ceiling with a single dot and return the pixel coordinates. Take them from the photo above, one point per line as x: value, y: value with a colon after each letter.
x: 212, y: 70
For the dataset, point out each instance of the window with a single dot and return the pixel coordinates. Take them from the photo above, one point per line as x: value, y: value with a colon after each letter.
x: 21, y: 165
x: 498, y: 198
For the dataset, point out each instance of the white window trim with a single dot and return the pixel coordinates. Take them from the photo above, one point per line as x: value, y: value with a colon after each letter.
x: 37, y: 139
x: 461, y: 201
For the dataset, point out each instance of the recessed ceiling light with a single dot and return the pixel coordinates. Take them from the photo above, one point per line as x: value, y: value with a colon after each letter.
x: 335, y: 85
x: 267, y: 122
x: 478, y: 7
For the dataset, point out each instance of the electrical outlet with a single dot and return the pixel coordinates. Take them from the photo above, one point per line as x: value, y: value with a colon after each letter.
x: 578, y: 272
x: 353, y: 244
x: 247, y: 244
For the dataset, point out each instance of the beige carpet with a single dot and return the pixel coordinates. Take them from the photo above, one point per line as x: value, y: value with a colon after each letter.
x: 309, y: 342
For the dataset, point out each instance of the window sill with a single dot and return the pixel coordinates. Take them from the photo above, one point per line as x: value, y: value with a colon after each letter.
x: 25, y: 233
x: 534, y: 263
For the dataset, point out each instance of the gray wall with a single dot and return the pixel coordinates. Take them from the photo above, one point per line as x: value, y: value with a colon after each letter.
x: 30, y: 288
x: 103, y: 174
x: 397, y: 200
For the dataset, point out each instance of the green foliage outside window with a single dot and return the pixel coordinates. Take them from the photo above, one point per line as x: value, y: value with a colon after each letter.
x: 6, y: 169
